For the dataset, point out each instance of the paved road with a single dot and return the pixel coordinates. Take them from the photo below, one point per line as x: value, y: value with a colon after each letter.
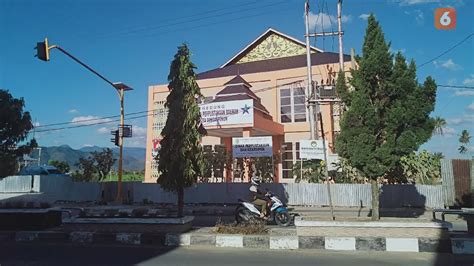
x: 53, y: 254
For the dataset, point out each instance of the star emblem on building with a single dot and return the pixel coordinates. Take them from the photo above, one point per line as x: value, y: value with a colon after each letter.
x: 245, y: 109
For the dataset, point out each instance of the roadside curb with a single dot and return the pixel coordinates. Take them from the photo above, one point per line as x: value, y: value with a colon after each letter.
x: 456, y: 245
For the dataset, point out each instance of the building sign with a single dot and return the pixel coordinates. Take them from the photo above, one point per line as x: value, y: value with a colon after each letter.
x: 227, y: 113
x: 312, y: 149
x: 156, y: 148
x: 252, y: 147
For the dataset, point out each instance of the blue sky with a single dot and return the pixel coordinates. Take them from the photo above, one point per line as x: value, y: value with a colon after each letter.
x: 134, y: 42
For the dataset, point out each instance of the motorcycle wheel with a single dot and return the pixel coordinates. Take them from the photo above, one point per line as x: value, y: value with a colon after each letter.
x: 242, y: 215
x: 282, y: 218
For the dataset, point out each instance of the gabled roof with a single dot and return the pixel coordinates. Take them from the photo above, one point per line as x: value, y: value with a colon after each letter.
x: 272, y: 65
x: 238, y: 80
x: 239, y: 89
x: 260, y: 39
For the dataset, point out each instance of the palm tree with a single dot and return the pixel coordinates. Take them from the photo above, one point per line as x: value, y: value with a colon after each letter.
x: 464, y: 139
x: 439, y: 124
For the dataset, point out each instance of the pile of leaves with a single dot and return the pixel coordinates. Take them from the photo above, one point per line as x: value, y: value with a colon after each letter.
x: 255, y: 227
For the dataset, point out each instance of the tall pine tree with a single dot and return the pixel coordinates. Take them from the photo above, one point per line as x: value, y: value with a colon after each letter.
x: 387, y: 113
x: 181, y: 159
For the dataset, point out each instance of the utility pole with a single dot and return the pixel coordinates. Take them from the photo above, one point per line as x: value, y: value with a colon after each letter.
x: 309, y: 88
x: 317, y: 101
x: 121, y: 88
x: 339, y: 31
x: 42, y: 52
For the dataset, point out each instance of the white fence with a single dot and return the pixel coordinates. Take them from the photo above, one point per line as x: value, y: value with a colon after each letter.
x: 61, y: 188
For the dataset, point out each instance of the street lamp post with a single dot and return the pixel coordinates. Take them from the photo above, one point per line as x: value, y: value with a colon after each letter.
x: 43, y: 54
x: 121, y: 88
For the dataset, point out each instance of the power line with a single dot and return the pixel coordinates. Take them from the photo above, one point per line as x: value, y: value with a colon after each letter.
x: 457, y: 87
x: 215, y: 23
x: 129, y: 114
x: 188, y: 16
x: 447, y: 51
x: 148, y: 28
x: 92, y: 119
x: 88, y: 125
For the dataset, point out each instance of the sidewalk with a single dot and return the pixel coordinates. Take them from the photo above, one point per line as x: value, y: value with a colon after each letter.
x: 278, y: 238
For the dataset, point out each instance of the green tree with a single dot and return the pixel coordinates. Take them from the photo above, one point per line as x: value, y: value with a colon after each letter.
x: 464, y: 140
x: 345, y: 173
x: 14, y: 127
x: 86, y: 170
x: 387, y: 113
x: 103, y: 162
x: 423, y: 167
x: 181, y: 159
x: 439, y: 124
x: 63, y: 167
x: 312, y: 172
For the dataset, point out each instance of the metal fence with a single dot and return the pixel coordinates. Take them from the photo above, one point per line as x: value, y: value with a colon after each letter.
x: 343, y: 195
x: 62, y: 188
x: 458, y: 182
x: 19, y: 184
x: 50, y: 188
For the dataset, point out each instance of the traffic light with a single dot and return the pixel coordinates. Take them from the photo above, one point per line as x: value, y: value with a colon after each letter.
x: 42, y: 50
x: 116, y: 138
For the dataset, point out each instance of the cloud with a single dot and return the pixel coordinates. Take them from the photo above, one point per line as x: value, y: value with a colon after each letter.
x: 449, y: 131
x: 73, y: 111
x: 418, y: 15
x: 87, y: 145
x: 469, y: 81
x: 452, y: 82
x: 461, y: 120
x: 448, y: 64
x: 464, y: 93
x: 89, y: 120
x: 139, y: 137
x: 364, y: 16
x: 104, y: 130
x: 471, y: 107
x: 417, y: 2
x: 401, y: 50
x: 36, y: 124
x: 138, y: 131
x: 322, y: 21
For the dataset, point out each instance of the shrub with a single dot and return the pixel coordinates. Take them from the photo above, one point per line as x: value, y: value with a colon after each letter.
x: 139, y: 212
x: 45, y: 205
x: 18, y: 204
x: 256, y: 227
x: 123, y: 213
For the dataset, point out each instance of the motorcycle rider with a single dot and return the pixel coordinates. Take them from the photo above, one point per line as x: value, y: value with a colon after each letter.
x: 259, y: 198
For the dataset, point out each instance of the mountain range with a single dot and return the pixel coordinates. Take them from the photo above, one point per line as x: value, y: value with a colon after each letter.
x: 133, y: 158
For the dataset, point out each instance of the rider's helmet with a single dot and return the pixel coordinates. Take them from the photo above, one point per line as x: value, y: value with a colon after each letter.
x: 255, y: 181
x: 253, y: 188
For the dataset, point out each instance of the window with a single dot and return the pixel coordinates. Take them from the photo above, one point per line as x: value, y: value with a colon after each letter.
x: 287, y: 160
x: 293, y: 104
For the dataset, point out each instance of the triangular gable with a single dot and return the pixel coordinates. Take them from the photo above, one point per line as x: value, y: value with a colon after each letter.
x: 271, y: 44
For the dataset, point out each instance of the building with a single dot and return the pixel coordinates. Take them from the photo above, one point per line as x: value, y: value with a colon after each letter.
x: 261, y: 91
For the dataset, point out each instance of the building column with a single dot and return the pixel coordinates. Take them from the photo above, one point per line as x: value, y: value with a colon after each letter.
x: 246, y: 133
x: 277, y: 141
x: 228, y: 173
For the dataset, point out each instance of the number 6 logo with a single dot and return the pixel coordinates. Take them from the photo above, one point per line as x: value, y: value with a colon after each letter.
x: 445, y: 18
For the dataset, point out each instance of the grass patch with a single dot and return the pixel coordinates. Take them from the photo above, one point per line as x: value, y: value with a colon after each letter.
x: 255, y: 227
x: 126, y: 177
